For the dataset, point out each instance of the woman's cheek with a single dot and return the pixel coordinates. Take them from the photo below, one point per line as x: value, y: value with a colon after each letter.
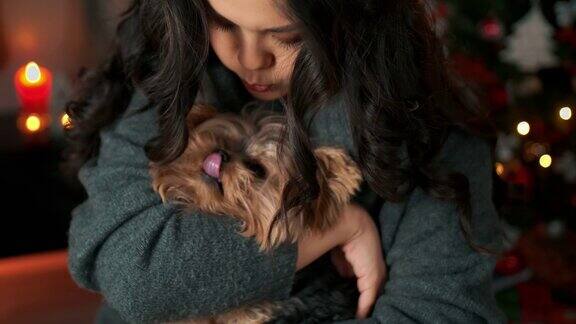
x: 223, y: 46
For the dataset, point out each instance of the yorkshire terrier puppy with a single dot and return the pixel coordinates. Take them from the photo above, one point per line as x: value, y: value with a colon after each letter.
x: 232, y: 166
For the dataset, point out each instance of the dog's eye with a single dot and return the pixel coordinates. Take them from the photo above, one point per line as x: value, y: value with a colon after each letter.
x: 256, y: 167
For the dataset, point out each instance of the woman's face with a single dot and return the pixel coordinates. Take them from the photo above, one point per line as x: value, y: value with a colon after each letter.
x: 256, y: 41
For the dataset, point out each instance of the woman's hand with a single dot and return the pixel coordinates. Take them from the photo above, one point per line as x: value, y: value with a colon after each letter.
x: 361, y: 257
x: 357, y: 239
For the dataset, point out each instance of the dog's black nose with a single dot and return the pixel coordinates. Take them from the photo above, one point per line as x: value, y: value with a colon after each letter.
x: 225, y: 156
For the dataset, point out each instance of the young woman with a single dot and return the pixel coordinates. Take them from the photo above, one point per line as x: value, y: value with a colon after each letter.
x: 375, y: 73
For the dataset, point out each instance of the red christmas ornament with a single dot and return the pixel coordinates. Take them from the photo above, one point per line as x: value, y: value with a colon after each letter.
x: 491, y: 29
x: 511, y: 263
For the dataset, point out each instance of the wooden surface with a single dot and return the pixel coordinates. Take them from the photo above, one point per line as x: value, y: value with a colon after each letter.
x: 38, y: 289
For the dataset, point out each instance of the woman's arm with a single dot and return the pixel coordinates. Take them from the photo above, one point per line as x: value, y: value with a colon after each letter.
x: 149, y: 261
x: 434, y: 276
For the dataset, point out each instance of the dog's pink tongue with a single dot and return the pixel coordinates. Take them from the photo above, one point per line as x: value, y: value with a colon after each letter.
x: 212, y: 164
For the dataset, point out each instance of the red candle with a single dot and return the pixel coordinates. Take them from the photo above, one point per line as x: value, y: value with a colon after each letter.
x: 34, y: 88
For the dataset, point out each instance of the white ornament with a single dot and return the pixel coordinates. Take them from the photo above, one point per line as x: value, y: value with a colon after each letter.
x: 531, y: 45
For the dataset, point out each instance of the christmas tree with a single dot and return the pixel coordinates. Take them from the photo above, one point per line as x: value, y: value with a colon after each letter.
x: 522, y: 54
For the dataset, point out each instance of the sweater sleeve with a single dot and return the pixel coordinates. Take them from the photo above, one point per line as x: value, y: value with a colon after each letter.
x: 150, y: 261
x: 434, y: 276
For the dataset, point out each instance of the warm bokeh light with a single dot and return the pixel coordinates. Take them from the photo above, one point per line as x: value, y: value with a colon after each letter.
x: 499, y: 168
x: 65, y: 121
x: 545, y: 161
x: 537, y: 149
x: 534, y: 150
x: 523, y: 128
x: 32, y: 73
x: 565, y: 113
x: 26, y: 39
x: 33, y: 123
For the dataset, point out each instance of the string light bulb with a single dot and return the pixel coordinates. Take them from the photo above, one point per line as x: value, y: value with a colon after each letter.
x: 523, y: 128
x: 499, y: 167
x: 545, y: 161
x: 565, y: 113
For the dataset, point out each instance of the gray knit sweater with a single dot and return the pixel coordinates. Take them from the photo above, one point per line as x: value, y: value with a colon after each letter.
x: 152, y: 263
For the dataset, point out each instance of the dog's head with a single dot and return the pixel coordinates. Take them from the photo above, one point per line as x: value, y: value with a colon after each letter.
x: 233, y: 166
x: 230, y: 164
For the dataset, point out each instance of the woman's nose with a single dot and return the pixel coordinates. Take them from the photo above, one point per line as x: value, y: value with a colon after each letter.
x: 253, y: 56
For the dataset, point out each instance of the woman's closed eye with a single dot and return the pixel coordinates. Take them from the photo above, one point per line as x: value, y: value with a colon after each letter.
x: 293, y: 42
x: 225, y: 27
x: 228, y: 27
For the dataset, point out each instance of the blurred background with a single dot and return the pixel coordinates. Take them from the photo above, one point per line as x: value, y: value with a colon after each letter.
x: 43, y: 45
x: 520, y: 54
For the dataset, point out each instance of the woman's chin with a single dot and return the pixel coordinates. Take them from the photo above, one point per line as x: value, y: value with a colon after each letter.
x: 265, y: 97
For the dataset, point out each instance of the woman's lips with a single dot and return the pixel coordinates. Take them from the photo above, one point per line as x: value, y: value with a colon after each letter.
x: 258, y: 87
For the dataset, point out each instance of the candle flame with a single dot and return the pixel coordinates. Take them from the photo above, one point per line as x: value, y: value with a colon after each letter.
x: 33, y: 123
x: 33, y: 73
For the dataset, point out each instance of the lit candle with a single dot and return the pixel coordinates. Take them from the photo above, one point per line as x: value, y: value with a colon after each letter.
x: 34, y: 88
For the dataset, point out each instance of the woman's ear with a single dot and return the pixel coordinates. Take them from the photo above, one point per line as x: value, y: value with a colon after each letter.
x: 199, y: 113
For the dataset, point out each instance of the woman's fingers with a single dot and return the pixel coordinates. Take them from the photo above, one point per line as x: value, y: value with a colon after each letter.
x: 369, y: 288
x: 342, y: 265
x: 365, y: 302
x: 361, y: 256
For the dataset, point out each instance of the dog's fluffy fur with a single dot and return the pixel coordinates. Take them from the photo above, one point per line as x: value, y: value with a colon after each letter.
x: 250, y: 189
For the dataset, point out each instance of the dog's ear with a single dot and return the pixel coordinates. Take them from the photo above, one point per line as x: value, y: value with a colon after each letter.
x: 339, y: 178
x: 341, y: 172
x: 199, y: 113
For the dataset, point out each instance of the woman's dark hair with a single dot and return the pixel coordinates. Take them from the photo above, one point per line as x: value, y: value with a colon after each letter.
x: 383, y: 54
